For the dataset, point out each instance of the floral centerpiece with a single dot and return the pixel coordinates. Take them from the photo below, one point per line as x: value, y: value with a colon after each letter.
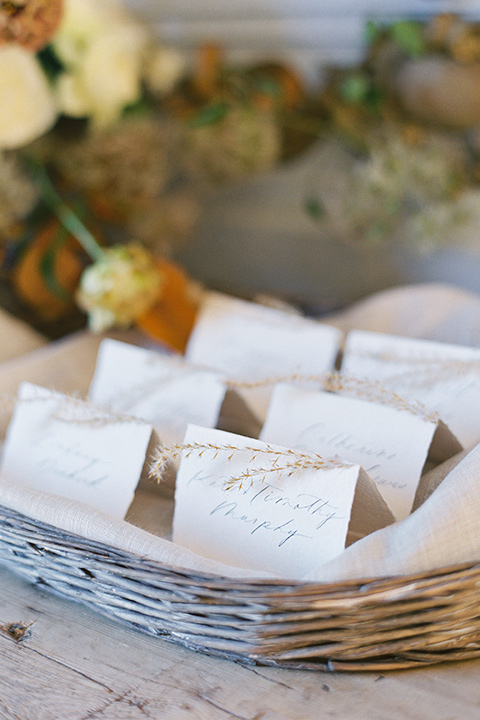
x: 408, y: 114
x: 107, y: 138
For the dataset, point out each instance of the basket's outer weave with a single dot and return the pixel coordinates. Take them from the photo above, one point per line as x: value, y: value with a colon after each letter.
x: 376, y: 624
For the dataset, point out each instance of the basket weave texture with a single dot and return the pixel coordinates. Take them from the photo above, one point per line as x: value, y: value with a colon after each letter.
x: 376, y: 624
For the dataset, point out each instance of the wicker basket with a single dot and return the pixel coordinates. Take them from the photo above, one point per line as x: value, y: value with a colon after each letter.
x: 375, y: 624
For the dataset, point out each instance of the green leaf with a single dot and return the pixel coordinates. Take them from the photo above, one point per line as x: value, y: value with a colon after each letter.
x: 209, y: 114
x: 142, y: 106
x: 47, y: 265
x: 268, y: 85
x: 67, y: 217
x: 408, y: 35
x: 355, y: 88
x: 377, y: 232
x: 50, y: 62
x: 372, y: 32
x: 315, y: 208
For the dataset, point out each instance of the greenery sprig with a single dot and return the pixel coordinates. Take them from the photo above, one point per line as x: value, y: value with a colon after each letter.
x: 65, y: 215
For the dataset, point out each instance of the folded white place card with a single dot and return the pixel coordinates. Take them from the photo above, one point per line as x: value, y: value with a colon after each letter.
x: 390, y: 442
x: 262, y: 507
x: 70, y: 448
x: 252, y: 343
x: 444, y: 378
x: 165, y: 390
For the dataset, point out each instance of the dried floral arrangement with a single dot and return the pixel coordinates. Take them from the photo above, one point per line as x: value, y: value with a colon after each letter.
x: 108, y: 138
x: 408, y: 115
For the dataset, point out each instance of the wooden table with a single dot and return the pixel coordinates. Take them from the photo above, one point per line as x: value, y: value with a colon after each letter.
x: 73, y: 664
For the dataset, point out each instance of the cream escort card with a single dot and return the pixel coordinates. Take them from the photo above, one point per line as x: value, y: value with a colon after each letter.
x: 248, y: 504
x: 70, y: 448
x: 444, y: 378
x: 252, y: 343
x: 390, y: 442
x: 167, y: 391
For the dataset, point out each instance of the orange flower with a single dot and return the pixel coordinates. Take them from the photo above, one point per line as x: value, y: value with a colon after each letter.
x: 50, y: 295
x: 30, y: 23
x: 170, y: 319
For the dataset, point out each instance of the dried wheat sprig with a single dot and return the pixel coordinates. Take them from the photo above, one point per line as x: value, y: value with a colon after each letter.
x: 418, y: 358
x: 431, y: 375
x: 96, y: 417
x: 361, y: 388
x: 376, y: 392
x: 294, y: 460
x: 274, y: 380
x: 288, y: 469
x: 70, y: 405
x: 445, y: 366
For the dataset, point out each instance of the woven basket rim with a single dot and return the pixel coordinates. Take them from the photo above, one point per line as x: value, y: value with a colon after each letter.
x: 364, y: 581
x: 367, y: 624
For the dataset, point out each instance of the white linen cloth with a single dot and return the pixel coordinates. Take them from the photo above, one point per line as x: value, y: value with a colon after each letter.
x: 16, y: 337
x: 431, y: 311
x: 444, y: 530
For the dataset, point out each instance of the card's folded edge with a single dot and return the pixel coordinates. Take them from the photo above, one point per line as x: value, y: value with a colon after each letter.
x: 444, y: 444
x: 431, y: 480
x: 370, y: 512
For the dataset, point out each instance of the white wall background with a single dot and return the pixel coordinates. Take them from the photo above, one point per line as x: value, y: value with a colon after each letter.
x: 308, y: 33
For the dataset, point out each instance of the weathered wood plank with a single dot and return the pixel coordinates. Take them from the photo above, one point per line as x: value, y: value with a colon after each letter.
x: 74, y: 665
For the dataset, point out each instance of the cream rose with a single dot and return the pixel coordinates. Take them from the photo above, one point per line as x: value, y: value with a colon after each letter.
x: 82, y: 23
x: 165, y: 66
x: 119, y: 287
x: 102, y: 49
x: 26, y: 100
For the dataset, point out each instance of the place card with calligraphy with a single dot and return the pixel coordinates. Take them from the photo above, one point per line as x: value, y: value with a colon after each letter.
x: 444, y: 378
x: 391, y: 441
x: 261, y: 507
x: 71, y: 448
x: 165, y: 390
x: 254, y: 345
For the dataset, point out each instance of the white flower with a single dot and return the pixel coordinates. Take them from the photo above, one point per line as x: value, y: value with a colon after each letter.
x: 165, y: 66
x: 119, y: 288
x: 82, y: 23
x: 72, y: 96
x: 26, y: 99
x: 102, y: 49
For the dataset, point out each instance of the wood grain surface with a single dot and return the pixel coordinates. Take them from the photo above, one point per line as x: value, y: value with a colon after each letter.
x: 60, y: 661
